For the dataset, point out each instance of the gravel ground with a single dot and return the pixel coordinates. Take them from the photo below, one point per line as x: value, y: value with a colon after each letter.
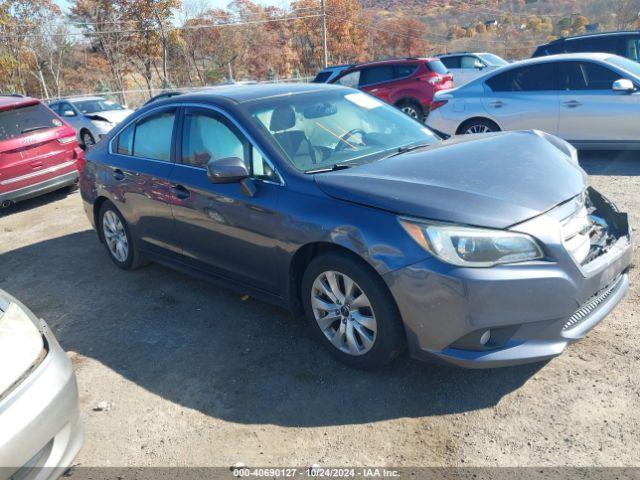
x: 198, y: 376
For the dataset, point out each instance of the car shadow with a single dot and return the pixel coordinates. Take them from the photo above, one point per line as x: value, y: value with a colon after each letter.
x: 228, y: 356
x: 616, y: 163
x: 38, y: 201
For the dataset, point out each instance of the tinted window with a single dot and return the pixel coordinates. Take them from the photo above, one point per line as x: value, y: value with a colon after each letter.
x: 322, y: 77
x: 21, y: 120
x: 437, y: 66
x: 92, y: 106
x: 125, y: 140
x: 55, y: 107
x: 632, y: 50
x: 600, y: 44
x: 451, y: 62
x: 152, y: 136
x: 402, y: 71
x: 208, y: 137
x: 533, y: 78
x: 350, y: 79
x: 379, y: 74
x: 586, y: 76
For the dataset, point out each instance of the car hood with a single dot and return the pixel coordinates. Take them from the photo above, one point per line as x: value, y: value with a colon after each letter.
x: 490, y: 180
x: 113, y: 116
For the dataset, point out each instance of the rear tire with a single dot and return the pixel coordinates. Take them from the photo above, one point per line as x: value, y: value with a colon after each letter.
x: 116, y: 236
x: 413, y: 109
x: 477, y: 125
x: 360, y: 323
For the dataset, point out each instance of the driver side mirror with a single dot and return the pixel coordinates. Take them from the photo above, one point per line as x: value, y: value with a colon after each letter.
x: 227, y: 170
x: 623, y: 85
x: 68, y: 113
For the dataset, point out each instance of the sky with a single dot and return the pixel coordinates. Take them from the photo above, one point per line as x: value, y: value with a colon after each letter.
x: 64, y: 4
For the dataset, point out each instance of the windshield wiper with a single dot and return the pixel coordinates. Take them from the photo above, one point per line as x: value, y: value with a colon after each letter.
x: 33, y: 129
x: 333, y: 168
x: 407, y: 148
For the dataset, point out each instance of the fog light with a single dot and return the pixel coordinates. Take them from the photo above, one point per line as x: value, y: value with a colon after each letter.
x: 485, y: 337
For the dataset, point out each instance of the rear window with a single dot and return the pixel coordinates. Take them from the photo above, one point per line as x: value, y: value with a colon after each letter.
x: 322, y: 77
x: 437, y: 66
x: 21, y: 120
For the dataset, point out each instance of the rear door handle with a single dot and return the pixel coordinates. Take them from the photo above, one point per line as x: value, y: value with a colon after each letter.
x: 572, y: 104
x: 118, y: 175
x: 497, y: 104
x: 180, y: 192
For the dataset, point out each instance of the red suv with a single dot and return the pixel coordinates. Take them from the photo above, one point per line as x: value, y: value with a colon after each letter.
x: 38, y: 151
x: 407, y: 83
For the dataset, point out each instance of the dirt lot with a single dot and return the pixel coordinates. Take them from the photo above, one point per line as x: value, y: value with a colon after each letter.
x: 198, y: 375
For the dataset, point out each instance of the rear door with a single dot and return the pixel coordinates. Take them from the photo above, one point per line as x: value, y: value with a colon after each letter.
x: 524, y: 98
x: 35, y: 146
x: 137, y: 178
x: 590, y: 110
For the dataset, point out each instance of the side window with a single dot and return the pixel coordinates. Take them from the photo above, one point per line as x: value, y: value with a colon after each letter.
x: 260, y: 168
x: 350, y: 79
x: 469, y: 62
x: 55, y: 107
x: 632, y: 51
x: 208, y: 137
x: 586, y: 76
x: 402, y: 71
x: 451, y: 62
x: 372, y: 75
x: 533, y: 78
x: 152, y: 136
x: 125, y: 141
x: 66, y: 110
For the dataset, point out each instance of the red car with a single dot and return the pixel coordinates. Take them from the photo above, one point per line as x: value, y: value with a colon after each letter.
x: 39, y: 152
x: 407, y: 83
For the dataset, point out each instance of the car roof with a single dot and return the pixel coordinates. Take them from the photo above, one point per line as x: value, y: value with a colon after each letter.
x: 594, y: 35
x: 450, y: 54
x: 11, y: 101
x: 248, y: 93
x: 562, y: 56
x: 394, y: 61
x: 80, y: 99
x: 337, y: 67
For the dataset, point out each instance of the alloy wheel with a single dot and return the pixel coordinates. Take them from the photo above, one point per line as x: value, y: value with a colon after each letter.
x: 115, y: 236
x: 343, y: 313
x: 411, y: 111
x: 478, y: 128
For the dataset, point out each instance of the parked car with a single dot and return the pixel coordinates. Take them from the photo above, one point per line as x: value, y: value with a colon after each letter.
x: 466, y: 66
x: 480, y: 250
x: 407, y: 83
x: 91, y: 117
x: 589, y: 99
x: 625, y: 44
x: 327, y: 74
x: 40, y: 427
x: 39, y: 152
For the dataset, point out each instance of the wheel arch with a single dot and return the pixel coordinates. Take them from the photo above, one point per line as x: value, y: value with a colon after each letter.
x: 97, y: 205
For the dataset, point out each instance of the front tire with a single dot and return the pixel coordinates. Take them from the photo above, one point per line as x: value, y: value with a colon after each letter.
x: 413, y: 109
x: 117, y: 238
x: 351, y: 311
x: 87, y: 139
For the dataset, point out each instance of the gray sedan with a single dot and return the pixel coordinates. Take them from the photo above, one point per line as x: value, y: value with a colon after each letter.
x: 91, y: 117
x: 39, y: 421
x: 589, y: 99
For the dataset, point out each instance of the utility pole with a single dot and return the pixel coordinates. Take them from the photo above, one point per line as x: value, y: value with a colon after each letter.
x: 325, y: 61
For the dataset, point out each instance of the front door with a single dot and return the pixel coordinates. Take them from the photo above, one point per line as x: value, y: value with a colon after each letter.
x: 223, y: 229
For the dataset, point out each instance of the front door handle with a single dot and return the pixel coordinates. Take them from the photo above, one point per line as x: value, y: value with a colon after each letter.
x: 572, y: 104
x: 497, y: 104
x: 118, y: 175
x: 180, y: 192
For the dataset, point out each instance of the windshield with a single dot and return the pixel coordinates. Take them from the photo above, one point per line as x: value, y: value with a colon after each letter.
x: 493, y: 60
x: 626, y: 64
x: 92, y: 106
x: 319, y: 130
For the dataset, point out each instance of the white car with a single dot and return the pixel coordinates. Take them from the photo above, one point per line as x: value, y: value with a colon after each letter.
x: 591, y: 100
x: 467, y: 66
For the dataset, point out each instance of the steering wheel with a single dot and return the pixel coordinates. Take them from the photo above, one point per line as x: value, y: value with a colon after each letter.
x: 343, y: 143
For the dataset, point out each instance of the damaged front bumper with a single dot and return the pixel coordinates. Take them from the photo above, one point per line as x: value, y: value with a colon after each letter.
x: 519, y: 313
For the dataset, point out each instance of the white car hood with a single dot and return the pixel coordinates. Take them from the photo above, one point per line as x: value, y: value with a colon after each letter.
x: 113, y: 116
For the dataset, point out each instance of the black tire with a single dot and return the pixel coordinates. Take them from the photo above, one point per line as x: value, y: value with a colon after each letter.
x: 133, y: 258
x: 413, y: 109
x: 483, y: 125
x: 86, y: 139
x: 389, y: 339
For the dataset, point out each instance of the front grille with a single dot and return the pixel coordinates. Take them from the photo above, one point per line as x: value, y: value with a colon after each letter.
x: 583, y: 312
x: 576, y: 234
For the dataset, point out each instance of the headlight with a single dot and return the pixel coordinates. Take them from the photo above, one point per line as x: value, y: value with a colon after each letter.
x: 472, y: 247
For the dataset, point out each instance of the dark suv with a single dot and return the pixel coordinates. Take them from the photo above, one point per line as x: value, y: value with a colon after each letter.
x: 407, y: 83
x: 625, y: 44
